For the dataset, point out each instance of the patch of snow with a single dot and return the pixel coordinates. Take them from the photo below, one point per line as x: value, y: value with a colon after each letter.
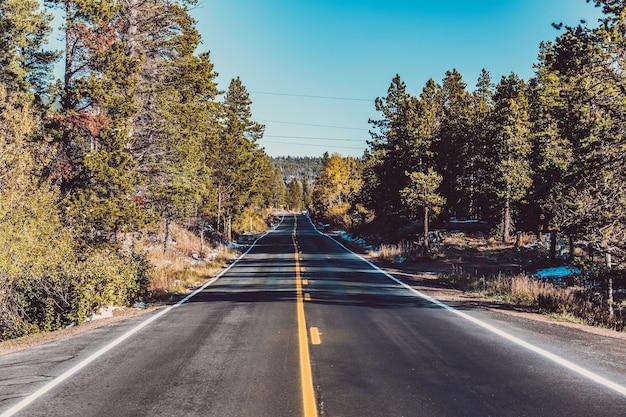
x: 349, y: 238
x: 103, y: 313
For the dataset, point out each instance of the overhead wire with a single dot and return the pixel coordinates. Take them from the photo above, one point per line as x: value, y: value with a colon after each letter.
x: 312, y: 145
x: 313, y: 125
x: 313, y: 138
x: 312, y: 96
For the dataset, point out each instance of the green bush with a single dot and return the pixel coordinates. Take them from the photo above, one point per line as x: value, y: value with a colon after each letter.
x: 103, y: 280
x: 68, y: 293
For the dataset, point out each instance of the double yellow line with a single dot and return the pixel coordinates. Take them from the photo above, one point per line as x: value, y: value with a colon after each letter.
x: 306, y: 376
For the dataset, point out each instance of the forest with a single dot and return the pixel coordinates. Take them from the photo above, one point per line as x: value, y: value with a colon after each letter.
x: 544, y: 155
x: 137, y: 143
x: 134, y: 140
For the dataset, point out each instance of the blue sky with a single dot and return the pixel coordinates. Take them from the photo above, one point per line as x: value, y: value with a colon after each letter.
x: 314, y: 67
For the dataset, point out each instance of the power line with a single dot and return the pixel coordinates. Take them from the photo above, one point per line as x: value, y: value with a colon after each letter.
x: 312, y: 145
x: 314, y: 125
x: 311, y: 96
x: 314, y: 138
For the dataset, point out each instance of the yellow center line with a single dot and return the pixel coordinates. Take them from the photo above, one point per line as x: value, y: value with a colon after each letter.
x: 306, y: 376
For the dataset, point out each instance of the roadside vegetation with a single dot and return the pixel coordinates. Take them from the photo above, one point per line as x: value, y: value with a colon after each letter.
x: 127, y: 178
x: 576, y: 302
x: 505, y: 274
x: 508, y: 159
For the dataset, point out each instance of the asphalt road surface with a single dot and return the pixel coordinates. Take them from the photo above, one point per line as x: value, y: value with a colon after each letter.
x: 299, y: 326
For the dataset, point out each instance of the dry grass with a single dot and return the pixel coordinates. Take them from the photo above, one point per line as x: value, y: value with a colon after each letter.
x: 393, y: 253
x: 185, y: 265
x: 571, y: 303
x: 456, y: 239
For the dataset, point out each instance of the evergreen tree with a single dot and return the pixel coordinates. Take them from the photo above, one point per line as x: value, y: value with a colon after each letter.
x: 390, y: 149
x: 306, y: 194
x: 421, y: 195
x: 94, y: 168
x: 453, y: 146
x: 279, y: 190
x: 512, y: 145
x: 25, y: 64
x: 586, y: 68
x: 476, y: 159
x: 552, y: 152
x: 425, y: 124
x: 181, y: 184
x: 161, y: 36
x: 294, y: 196
x: 237, y: 161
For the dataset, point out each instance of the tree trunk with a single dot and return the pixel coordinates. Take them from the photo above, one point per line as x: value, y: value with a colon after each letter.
x: 506, y: 220
x: 426, y: 241
x: 570, y: 256
x: 219, y: 210
x: 553, y: 236
x: 540, y: 227
x: 67, y: 76
x: 202, y: 238
x: 168, y: 234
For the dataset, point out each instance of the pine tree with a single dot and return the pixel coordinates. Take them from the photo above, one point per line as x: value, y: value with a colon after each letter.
x: 278, y: 190
x: 94, y: 168
x: 421, y: 194
x: 306, y: 194
x: 552, y: 152
x: 237, y: 162
x: 390, y: 149
x: 160, y: 35
x: 511, y: 142
x: 425, y: 125
x: 585, y: 66
x: 476, y: 159
x: 294, y: 196
x: 25, y: 64
x: 452, y: 148
x: 181, y: 182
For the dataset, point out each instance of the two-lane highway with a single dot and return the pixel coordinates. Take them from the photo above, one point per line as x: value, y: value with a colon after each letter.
x: 300, y: 303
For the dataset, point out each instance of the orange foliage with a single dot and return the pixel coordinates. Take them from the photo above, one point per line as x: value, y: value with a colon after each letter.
x: 90, y: 120
x: 98, y: 38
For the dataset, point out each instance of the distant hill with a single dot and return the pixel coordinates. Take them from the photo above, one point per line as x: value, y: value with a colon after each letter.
x: 301, y: 168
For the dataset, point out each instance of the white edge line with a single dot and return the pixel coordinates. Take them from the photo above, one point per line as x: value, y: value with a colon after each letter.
x: 76, y: 368
x: 542, y: 352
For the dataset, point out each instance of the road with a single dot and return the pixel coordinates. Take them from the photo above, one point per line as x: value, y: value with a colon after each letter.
x: 299, y: 326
